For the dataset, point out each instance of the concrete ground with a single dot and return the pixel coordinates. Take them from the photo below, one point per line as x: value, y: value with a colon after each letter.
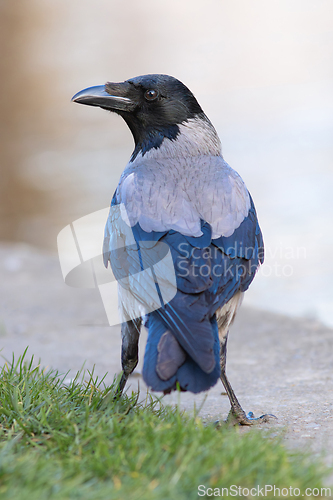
x: 275, y: 364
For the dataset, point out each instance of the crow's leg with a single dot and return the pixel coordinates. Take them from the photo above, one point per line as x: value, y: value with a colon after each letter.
x: 130, y: 333
x: 237, y: 414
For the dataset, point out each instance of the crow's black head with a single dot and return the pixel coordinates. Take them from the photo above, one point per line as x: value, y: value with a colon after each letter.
x: 152, y: 105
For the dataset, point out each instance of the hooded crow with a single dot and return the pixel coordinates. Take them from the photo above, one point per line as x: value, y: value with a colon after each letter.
x: 179, y: 196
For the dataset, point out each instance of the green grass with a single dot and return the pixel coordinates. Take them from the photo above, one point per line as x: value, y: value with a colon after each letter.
x: 73, y: 441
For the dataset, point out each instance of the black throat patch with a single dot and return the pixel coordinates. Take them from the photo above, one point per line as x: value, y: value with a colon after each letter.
x: 152, y: 139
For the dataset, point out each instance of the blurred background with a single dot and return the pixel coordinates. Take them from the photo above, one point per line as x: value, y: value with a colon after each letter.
x: 263, y: 73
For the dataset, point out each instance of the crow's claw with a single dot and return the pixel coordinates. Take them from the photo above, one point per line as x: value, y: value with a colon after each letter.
x: 263, y: 418
x: 239, y: 418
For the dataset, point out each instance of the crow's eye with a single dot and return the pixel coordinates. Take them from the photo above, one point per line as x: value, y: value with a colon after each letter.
x: 151, y: 95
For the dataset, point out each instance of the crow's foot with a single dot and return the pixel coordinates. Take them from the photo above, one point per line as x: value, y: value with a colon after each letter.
x: 121, y: 386
x: 240, y: 418
x: 237, y: 415
x: 114, y: 396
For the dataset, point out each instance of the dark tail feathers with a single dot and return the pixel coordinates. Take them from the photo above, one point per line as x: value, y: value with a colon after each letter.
x: 166, y: 363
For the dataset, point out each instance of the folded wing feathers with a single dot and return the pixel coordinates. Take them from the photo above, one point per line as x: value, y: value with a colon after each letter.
x: 207, y: 206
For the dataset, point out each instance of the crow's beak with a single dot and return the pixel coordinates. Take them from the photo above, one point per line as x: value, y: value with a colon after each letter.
x: 111, y: 96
